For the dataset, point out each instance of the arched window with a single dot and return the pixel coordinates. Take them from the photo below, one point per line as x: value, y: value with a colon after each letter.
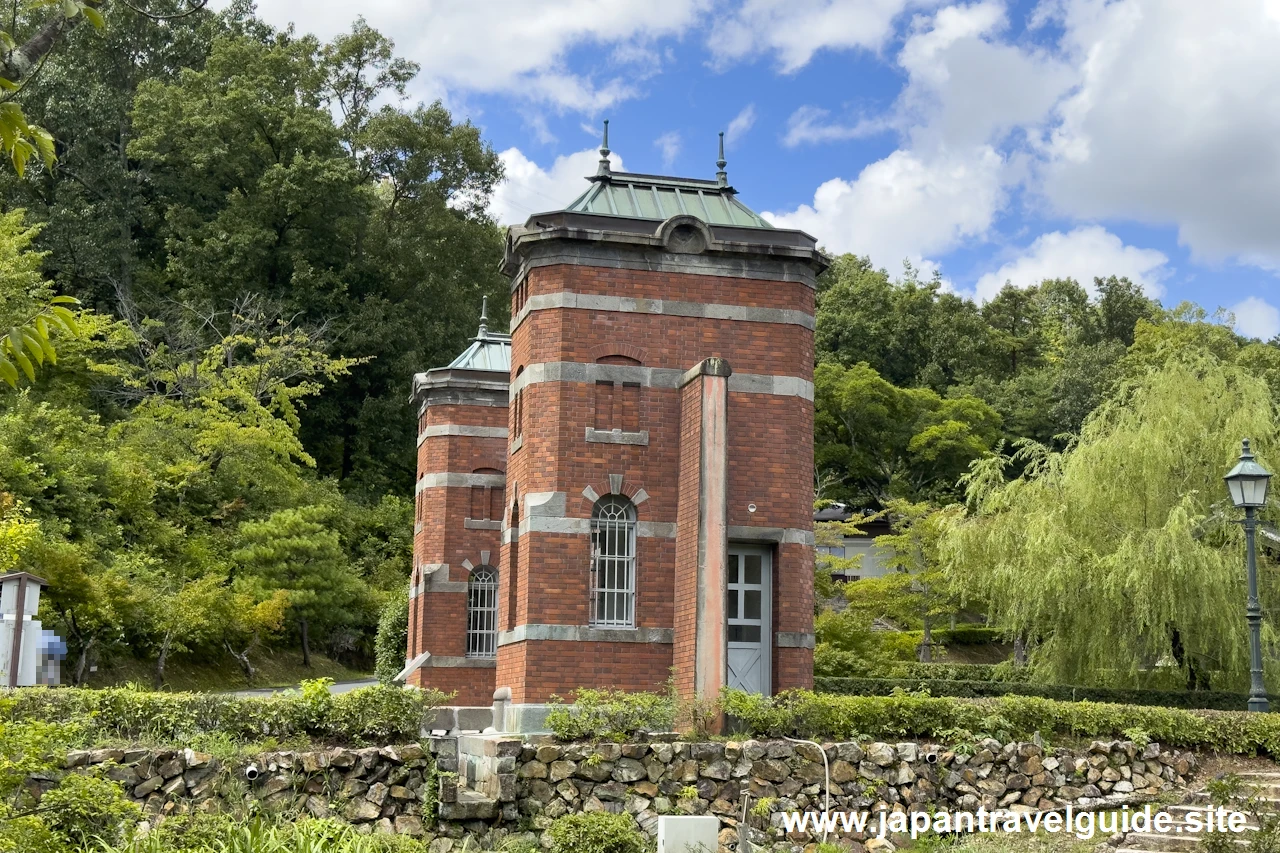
x: 482, y: 613
x: 613, y: 563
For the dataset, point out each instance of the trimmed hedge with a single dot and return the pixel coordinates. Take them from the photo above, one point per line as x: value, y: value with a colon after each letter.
x: 367, y: 715
x: 1005, y: 672
x: 966, y: 689
x: 818, y: 716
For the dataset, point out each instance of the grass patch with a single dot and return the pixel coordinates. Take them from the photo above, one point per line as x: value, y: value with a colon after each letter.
x: 276, y: 668
x: 1001, y: 842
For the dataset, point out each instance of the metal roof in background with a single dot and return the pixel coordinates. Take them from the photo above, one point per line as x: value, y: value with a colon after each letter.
x: 658, y: 197
x: 488, y: 350
x: 492, y: 352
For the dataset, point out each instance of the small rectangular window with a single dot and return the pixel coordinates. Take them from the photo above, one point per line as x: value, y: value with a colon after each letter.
x: 630, y: 420
x: 604, y: 406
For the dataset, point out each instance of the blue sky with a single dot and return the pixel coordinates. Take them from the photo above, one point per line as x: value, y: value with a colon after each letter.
x: 988, y: 140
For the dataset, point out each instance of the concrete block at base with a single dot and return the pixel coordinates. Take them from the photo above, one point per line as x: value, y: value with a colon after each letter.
x: 458, y: 718
x: 688, y: 833
x: 528, y: 719
x: 474, y: 719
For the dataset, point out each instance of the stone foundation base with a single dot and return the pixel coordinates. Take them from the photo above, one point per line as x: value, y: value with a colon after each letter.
x: 527, y: 719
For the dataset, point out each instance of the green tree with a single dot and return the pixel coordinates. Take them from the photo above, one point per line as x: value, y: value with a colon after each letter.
x: 375, y: 227
x: 1120, y: 552
x: 29, y: 310
x: 896, y: 442
x: 922, y: 589
x: 847, y: 644
x: 828, y: 535
x: 295, y: 551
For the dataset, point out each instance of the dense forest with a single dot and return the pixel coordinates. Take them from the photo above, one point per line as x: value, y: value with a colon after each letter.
x: 266, y: 239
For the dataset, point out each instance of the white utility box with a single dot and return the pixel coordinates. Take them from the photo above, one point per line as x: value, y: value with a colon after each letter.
x: 688, y: 834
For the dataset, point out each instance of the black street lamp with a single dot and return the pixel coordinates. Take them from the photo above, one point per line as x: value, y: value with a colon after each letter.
x: 1247, y: 483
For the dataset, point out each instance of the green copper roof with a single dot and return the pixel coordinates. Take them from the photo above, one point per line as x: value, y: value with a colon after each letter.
x: 492, y: 352
x: 488, y: 350
x: 656, y: 197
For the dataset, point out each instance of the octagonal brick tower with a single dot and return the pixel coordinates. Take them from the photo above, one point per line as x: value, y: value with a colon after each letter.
x: 659, y: 478
x: 458, y: 509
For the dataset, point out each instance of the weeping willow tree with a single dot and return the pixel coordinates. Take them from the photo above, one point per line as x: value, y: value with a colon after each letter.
x: 1121, y: 553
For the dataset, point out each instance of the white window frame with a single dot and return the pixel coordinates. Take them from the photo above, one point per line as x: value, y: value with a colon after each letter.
x: 482, y: 613
x: 613, y: 563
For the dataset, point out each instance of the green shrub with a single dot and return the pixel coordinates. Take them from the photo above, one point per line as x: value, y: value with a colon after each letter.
x: 966, y: 635
x: 1204, y: 699
x: 800, y: 713
x: 379, y: 715
x: 597, y: 832
x: 1004, y: 672
x: 28, y: 834
x: 611, y: 715
x: 393, y: 637
x: 86, y: 809
x: 367, y: 714
x: 210, y: 833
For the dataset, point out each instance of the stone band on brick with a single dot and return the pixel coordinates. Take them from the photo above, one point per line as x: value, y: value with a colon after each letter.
x: 668, y: 307
x: 458, y: 479
x: 584, y: 633
x: 655, y: 377
x: 439, y: 430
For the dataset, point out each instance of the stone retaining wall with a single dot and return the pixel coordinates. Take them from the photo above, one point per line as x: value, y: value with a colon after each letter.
x: 647, y: 780
x: 530, y: 783
x: 385, y: 788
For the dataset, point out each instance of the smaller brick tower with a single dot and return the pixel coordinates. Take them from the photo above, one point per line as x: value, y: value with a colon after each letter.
x: 458, y: 504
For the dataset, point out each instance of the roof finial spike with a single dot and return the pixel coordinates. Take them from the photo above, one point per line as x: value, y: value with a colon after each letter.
x: 484, y: 318
x: 722, y: 176
x: 604, y: 151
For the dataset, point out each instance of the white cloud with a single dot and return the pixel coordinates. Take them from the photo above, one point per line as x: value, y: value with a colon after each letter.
x: 1081, y: 254
x: 964, y: 87
x: 669, y: 144
x: 905, y: 206
x: 1175, y: 121
x: 741, y: 123
x: 794, y: 30
x: 1257, y: 318
x: 943, y: 188
x: 809, y: 124
x: 512, y: 46
x: 527, y: 188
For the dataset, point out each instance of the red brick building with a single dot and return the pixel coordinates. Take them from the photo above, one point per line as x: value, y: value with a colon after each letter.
x: 622, y: 490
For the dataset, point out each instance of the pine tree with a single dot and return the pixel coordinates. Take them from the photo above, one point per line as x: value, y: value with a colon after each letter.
x: 295, y: 551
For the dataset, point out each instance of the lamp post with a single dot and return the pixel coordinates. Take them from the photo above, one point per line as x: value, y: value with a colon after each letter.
x: 1247, y: 483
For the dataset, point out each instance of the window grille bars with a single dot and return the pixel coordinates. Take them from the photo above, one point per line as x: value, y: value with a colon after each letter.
x: 613, y: 550
x: 482, y: 613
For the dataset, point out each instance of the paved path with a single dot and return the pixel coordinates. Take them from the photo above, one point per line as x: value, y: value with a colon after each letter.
x: 337, y: 687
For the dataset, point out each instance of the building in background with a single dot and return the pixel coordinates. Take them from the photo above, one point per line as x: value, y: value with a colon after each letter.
x: 621, y: 492
x: 874, y: 562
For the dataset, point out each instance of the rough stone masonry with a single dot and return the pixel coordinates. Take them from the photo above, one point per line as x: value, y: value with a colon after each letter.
x: 416, y: 790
